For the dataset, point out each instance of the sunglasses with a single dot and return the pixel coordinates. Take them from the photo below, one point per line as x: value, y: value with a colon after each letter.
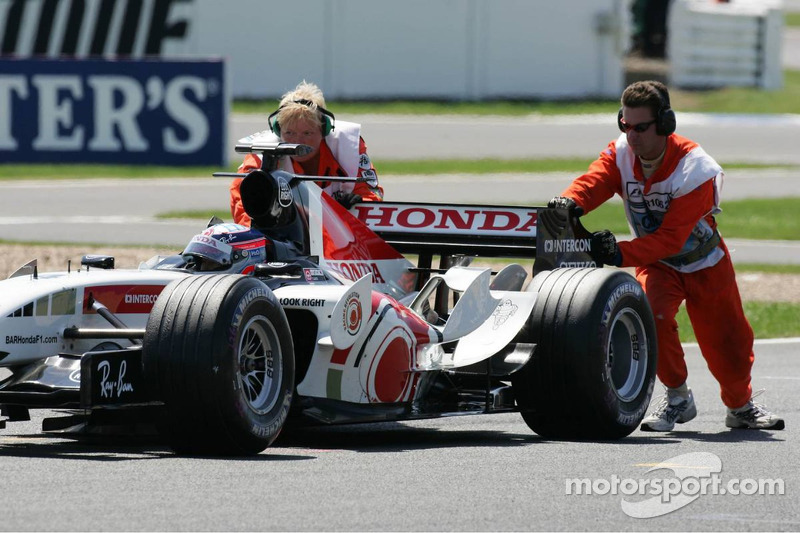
x: 638, y: 128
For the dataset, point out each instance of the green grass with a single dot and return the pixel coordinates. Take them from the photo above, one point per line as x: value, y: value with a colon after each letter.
x: 761, y: 218
x: 390, y: 167
x: 577, y: 165
x: 767, y: 268
x: 728, y: 100
x: 769, y: 320
x: 744, y: 219
x: 51, y: 172
x: 792, y: 20
x: 386, y: 167
x: 77, y: 244
x: 742, y: 100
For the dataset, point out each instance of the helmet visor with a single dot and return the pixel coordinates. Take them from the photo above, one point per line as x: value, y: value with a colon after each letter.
x: 210, y: 249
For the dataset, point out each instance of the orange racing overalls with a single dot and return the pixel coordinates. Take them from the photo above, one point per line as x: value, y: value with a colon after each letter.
x: 679, y: 256
x: 350, y: 159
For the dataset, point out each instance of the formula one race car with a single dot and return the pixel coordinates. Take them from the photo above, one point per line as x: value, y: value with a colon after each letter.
x: 312, y: 315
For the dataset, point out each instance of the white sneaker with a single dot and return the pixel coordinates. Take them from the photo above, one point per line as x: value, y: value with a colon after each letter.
x: 671, y: 409
x: 753, y: 416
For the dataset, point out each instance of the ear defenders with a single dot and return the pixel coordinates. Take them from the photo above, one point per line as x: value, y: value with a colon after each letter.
x: 665, y: 117
x: 326, y: 116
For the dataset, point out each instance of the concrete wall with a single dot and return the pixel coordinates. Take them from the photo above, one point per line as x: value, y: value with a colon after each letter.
x: 455, y: 49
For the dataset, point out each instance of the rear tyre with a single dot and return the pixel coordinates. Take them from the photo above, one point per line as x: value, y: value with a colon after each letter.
x: 218, y: 352
x: 593, y: 370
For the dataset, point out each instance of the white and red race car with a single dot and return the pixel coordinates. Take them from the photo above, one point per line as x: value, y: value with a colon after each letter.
x: 315, y: 316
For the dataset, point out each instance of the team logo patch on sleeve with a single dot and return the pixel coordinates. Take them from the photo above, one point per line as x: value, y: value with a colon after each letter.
x: 364, y: 162
x: 371, y: 177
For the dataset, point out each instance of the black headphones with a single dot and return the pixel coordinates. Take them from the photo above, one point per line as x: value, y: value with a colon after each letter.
x: 665, y: 116
x: 325, y: 116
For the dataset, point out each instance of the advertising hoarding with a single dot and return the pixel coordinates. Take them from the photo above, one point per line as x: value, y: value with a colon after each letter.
x: 160, y: 112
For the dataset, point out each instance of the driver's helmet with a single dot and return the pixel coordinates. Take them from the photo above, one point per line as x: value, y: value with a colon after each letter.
x: 231, y: 248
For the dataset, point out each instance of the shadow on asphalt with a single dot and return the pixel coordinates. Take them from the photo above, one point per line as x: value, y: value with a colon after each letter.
x: 393, y: 437
x: 49, y: 446
x: 112, y: 449
x: 296, y: 444
x: 731, y: 435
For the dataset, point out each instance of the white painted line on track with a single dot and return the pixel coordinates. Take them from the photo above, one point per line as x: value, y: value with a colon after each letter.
x: 94, y: 183
x: 757, y: 342
x: 787, y: 340
x: 81, y: 219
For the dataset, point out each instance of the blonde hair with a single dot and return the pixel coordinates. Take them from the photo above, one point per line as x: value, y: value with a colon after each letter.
x: 304, y: 91
x: 302, y: 103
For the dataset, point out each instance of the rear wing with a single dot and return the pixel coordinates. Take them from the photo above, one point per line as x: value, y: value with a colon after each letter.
x: 552, y: 237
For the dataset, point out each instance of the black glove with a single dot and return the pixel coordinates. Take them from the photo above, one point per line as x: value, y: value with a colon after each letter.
x: 347, y: 199
x: 562, y: 202
x: 605, y: 249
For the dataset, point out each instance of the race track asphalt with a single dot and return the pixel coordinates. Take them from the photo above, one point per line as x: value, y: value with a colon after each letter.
x: 468, y: 473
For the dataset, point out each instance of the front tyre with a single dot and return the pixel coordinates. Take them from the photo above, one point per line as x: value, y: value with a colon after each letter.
x: 218, y: 352
x: 593, y: 370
